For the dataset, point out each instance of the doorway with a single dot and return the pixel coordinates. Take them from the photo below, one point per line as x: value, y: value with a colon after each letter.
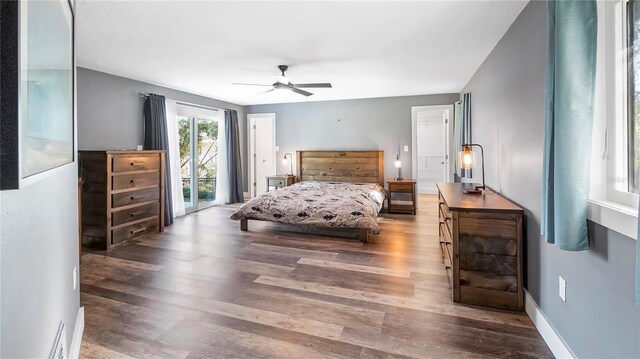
x: 262, y: 150
x: 198, y: 131
x: 431, y: 155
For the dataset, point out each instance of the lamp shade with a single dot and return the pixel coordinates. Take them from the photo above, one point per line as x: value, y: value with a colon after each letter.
x: 398, y: 164
x: 466, y: 158
x: 284, y: 160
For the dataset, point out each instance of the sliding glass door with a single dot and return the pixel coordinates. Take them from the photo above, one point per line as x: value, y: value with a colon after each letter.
x: 198, y: 141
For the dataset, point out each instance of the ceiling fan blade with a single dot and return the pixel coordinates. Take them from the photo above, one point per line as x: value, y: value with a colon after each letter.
x: 318, y: 85
x: 301, y: 92
x: 246, y: 84
x: 264, y: 92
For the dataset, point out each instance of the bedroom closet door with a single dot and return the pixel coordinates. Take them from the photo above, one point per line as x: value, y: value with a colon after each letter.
x: 431, y: 151
x: 262, y: 143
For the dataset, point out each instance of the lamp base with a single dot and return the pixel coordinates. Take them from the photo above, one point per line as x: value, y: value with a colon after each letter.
x: 472, y: 191
x: 398, y: 179
x: 475, y: 190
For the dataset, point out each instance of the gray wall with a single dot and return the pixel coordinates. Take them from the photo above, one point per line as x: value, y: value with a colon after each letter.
x: 362, y: 124
x: 599, y: 318
x: 110, y: 111
x: 38, y: 252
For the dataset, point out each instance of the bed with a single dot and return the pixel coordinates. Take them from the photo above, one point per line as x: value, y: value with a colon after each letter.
x: 337, y: 189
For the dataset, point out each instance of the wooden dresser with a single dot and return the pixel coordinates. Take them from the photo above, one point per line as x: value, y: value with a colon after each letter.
x: 481, y: 240
x: 123, y: 196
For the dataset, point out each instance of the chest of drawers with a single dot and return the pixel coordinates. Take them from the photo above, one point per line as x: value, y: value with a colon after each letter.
x: 122, y: 196
x: 481, y: 242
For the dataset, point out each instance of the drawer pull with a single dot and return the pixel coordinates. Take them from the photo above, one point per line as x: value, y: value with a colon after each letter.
x: 137, y: 163
x: 136, y: 213
x: 134, y: 231
x: 131, y: 181
x: 132, y: 198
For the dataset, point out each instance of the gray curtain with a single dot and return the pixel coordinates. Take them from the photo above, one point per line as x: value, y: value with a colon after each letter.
x: 465, y: 129
x: 457, y: 138
x: 234, y: 165
x: 570, y: 89
x: 156, y: 138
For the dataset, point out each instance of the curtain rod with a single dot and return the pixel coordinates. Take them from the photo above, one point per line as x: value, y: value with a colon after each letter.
x: 145, y: 95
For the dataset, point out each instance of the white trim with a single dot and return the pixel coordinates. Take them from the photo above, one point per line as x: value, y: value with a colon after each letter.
x: 615, y: 216
x: 78, y: 330
x: 554, y: 341
x: 448, y: 130
x: 251, y: 117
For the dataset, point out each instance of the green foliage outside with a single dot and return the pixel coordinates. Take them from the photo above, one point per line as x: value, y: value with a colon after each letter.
x: 207, y: 143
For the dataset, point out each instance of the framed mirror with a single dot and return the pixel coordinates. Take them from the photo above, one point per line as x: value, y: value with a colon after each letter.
x: 37, y: 77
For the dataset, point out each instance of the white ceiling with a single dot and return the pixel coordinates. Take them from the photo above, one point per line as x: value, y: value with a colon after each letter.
x: 365, y: 49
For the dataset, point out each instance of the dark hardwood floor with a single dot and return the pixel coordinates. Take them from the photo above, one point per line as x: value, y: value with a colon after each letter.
x: 204, y: 289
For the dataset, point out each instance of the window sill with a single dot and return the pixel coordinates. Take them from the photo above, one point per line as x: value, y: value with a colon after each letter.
x: 617, y: 217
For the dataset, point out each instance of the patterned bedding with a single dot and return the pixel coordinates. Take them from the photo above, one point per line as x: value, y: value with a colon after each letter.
x: 328, y: 204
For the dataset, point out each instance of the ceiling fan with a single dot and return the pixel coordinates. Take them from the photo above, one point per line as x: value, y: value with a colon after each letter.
x: 283, y: 83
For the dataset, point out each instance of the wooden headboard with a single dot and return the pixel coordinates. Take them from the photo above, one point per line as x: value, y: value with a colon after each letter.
x: 341, y: 166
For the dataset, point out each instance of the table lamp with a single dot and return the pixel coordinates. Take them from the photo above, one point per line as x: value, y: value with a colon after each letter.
x: 466, y: 163
x: 284, y: 162
x: 398, y: 165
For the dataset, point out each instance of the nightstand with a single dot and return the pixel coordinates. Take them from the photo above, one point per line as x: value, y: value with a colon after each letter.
x: 402, y: 186
x: 280, y: 181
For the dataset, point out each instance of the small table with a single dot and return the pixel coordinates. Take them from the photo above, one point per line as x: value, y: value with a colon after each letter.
x: 407, y: 185
x: 280, y: 181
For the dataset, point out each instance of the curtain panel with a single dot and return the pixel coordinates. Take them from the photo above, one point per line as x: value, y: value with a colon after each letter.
x: 234, y: 164
x: 174, y: 153
x: 570, y: 88
x: 457, y: 122
x: 464, y: 132
x: 156, y: 138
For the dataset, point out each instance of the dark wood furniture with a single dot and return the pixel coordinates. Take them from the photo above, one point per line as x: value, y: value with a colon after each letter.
x: 481, y: 240
x: 338, y: 166
x: 280, y: 181
x: 123, y: 196
x: 402, y: 186
x: 341, y: 166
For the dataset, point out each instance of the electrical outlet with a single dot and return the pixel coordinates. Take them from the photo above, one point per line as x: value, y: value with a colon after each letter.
x: 406, y: 148
x: 75, y: 278
x: 277, y: 148
x: 562, y: 288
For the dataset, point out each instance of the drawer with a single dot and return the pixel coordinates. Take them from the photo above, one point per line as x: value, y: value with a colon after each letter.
x: 128, y: 198
x: 277, y: 182
x: 401, y: 187
x: 135, y: 163
x: 135, y: 213
x: 127, y: 233
x: 136, y: 180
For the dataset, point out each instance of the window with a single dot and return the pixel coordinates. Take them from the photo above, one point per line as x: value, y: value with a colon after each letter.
x: 198, y: 146
x: 622, y: 150
x: 633, y: 95
x: 615, y: 178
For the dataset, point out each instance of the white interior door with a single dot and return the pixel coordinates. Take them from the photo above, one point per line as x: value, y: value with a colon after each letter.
x: 263, y: 150
x: 431, y: 144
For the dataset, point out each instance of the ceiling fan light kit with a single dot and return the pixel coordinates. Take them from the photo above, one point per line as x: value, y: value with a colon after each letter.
x: 283, y: 83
